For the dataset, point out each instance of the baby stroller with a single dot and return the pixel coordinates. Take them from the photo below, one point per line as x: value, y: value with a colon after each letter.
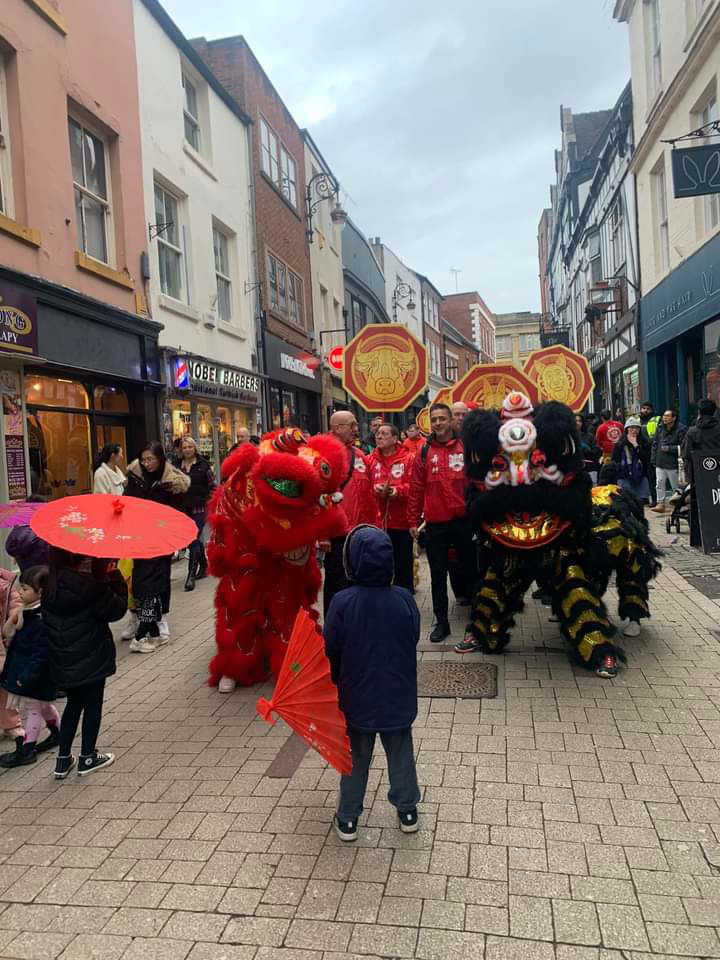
x: 680, y: 504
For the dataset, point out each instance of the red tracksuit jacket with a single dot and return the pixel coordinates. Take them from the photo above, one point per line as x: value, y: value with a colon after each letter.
x: 437, y: 483
x: 394, y: 470
x: 359, y: 501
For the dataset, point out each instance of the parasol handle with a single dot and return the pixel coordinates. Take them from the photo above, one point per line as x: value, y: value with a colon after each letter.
x: 118, y: 505
x: 265, y: 708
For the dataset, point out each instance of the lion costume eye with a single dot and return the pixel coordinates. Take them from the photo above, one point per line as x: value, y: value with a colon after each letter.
x: 325, y: 469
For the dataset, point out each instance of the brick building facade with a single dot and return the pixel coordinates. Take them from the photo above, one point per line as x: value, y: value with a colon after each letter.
x: 469, y: 314
x: 285, y: 291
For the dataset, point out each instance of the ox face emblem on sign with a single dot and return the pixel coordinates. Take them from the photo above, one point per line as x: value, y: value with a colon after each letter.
x: 385, y: 371
x: 385, y: 367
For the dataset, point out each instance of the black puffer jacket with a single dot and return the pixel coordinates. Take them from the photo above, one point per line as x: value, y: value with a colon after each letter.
x: 27, y: 667
x: 703, y: 435
x: 80, y: 643
x: 202, y: 484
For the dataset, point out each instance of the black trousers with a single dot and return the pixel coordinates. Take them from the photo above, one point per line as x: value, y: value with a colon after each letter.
x: 335, y: 579
x: 449, y: 546
x: 403, y: 555
x: 88, y: 701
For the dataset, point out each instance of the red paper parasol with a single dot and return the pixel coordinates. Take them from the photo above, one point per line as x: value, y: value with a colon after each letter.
x: 102, y: 525
x: 307, y: 699
x: 17, y: 513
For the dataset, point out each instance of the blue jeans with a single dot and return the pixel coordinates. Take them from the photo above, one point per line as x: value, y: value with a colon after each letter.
x: 404, y: 793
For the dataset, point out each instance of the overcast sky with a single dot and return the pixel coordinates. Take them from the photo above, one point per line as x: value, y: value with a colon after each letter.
x: 438, y: 118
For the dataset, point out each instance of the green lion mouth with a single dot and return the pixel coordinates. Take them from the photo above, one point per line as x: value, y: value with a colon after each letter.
x: 286, y: 488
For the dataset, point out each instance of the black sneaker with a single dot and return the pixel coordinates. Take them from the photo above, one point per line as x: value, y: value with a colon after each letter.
x: 409, y: 821
x: 94, y: 762
x: 345, y: 829
x: 22, y: 755
x: 50, y: 742
x: 468, y: 645
x: 63, y: 766
x: 440, y: 631
x: 607, y: 668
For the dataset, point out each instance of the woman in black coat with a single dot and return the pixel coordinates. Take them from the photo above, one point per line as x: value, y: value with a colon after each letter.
x: 151, y: 477
x: 202, y: 484
x: 81, y: 598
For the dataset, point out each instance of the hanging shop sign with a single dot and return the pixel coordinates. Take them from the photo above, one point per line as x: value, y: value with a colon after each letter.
x: 487, y: 385
x: 561, y: 374
x: 291, y: 365
x: 18, y: 321
x: 385, y: 368
x: 209, y: 379
x: 696, y: 170
x: 706, y: 476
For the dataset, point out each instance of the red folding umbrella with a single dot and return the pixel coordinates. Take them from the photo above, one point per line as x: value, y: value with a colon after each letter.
x: 102, y: 525
x: 307, y: 699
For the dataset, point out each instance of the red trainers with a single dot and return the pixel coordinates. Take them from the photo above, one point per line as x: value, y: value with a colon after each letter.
x: 608, y: 667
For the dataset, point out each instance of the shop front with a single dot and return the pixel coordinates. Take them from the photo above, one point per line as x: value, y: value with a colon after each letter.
x: 295, y: 385
x: 680, y: 325
x: 625, y: 370
x: 75, y: 375
x: 210, y: 402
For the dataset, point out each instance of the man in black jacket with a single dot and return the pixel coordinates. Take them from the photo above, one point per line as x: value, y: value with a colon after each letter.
x: 703, y: 435
x: 669, y: 437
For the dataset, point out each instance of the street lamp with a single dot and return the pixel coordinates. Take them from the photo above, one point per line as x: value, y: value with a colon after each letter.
x: 402, y: 291
x: 323, y: 186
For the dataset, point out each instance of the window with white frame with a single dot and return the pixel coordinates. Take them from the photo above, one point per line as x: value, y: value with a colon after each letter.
x: 171, y: 249
x: 191, y: 113
x: 711, y: 202
x: 452, y: 366
x: 221, y: 243
x: 286, y: 291
x: 594, y: 254
x: 436, y: 315
x: 277, y: 163
x: 617, y: 235
x: 6, y: 200
x: 662, y: 233
x: 529, y: 341
x: 654, y: 41
x: 88, y: 154
x: 503, y: 344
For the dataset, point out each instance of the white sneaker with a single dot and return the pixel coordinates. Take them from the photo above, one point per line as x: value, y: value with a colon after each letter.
x: 164, y: 628
x: 226, y: 685
x: 162, y: 640
x: 631, y: 629
x: 131, y: 628
x: 142, y: 646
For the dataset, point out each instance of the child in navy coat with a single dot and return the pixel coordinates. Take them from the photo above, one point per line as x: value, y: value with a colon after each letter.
x: 371, y: 633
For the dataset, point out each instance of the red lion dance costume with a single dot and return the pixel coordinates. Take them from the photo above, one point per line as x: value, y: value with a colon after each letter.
x: 275, y: 502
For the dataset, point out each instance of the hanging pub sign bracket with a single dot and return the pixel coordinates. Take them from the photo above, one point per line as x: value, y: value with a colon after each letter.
x: 696, y: 170
x: 157, y: 229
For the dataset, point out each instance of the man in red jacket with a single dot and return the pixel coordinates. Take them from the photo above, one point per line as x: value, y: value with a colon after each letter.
x: 608, y: 434
x: 415, y: 440
x: 358, y: 503
x: 437, y: 489
x: 390, y: 466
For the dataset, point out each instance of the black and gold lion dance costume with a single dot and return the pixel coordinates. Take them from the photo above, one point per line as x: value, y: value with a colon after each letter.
x: 537, y: 518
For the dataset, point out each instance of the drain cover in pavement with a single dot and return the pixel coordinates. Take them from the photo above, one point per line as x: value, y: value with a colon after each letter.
x: 463, y: 680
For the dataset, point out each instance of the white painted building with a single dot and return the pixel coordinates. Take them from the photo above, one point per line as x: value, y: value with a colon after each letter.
x: 326, y: 267
x: 593, y: 268
x: 198, y: 202
x: 402, y: 289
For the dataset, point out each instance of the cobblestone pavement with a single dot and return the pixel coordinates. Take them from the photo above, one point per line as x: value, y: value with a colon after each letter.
x: 570, y: 817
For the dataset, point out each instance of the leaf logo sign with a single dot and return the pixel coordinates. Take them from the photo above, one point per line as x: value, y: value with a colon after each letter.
x: 709, y: 176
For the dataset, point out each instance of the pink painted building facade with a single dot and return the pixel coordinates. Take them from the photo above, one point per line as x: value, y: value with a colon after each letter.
x: 78, y: 353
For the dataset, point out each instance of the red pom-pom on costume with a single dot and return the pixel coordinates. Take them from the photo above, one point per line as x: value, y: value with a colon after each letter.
x: 275, y: 502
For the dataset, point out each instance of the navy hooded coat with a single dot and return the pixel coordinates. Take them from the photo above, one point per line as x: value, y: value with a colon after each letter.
x: 371, y: 632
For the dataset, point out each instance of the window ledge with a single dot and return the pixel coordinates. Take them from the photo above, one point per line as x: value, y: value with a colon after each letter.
x: 199, y: 160
x: 121, y: 278
x: 232, y: 331
x: 177, y: 306
x: 49, y: 13
x: 14, y: 229
x: 696, y: 28
x: 652, y: 106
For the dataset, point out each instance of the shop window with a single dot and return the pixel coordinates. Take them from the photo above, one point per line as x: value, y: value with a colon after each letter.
x: 224, y: 427
x: 111, y: 400
x: 88, y: 153
x: 60, y: 453
x: 204, y: 438
x: 275, y: 408
x: 171, y: 253
x: 55, y: 392
x: 109, y: 433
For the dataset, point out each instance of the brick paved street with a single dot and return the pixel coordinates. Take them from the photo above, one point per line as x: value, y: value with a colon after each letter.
x: 570, y: 817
